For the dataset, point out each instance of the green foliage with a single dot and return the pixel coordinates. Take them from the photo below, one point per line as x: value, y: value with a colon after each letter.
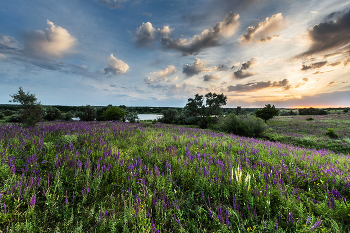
x: 87, y: 113
x: 52, y: 113
x: 113, y: 113
x: 68, y: 116
x: 32, y: 111
x: 169, y: 116
x: 267, y: 113
x: 132, y: 116
x: 2, y: 115
x: 331, y: 133
x: 249, y: 126
x: 346, y: 110
x: 14, y: 119
x: 312, y: 111
x: 310, y: 119
x: 196, y: 110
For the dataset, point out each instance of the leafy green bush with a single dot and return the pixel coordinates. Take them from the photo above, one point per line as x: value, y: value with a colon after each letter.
x: 310, y: 119
x: 132, y: 116
x: 52, y: 113
x: 331, y: 133
x: 14, y: 119
x: 67, y: 116
x: 249, y: 126
x: 113, y: 113
x: 1, y: 115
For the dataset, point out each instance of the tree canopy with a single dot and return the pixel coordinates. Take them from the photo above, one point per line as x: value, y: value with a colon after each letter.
x: 267, y: 113
x: 31, y: 110
x: 113, y: 113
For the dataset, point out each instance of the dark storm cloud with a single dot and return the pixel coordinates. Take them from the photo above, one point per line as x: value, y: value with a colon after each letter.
x: 241, y: 73
x: 209, y: 77
x: 249, y: 87
x: 207, y: 39
x: 329, y: 35
x: 332, y: 15
x: 335, y: 63
x: 197, y: 67
x: 315, y: 65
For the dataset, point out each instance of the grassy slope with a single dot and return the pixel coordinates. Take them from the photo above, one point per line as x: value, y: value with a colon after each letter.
x: 100, y: 177
x: 298, y: 131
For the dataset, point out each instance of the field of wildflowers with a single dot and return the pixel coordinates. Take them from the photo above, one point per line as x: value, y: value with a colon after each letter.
x: 310, y: 131
x: 138, y: 177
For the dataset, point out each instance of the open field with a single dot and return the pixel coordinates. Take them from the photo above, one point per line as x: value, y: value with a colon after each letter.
x: 123, y: 177
x: 299, y: 131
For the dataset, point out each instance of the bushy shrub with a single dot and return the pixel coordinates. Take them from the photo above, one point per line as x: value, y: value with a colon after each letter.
x: 14, y: 119
x: 113, y: 113
x: 67, y: 116
x: 2, y: 115
x: 249, y: 126
x: 169, y: 116
x: 132, y: 116
x: 310, y: 119
x: 87, y: 113
x: 52, y: 113
x: 331, y: 133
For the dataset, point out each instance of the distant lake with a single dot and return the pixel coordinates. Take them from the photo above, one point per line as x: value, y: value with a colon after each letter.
x: 149, y: 116
x: 142, y: 117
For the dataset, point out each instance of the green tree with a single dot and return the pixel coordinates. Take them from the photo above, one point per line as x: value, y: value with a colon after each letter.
x: 31, y: 110
x: 113, y: 113
x: 267, y: 113
x: 196, y: 108
x: 87, y: 113
x: 214, y: 102
x: 52, y: 113
x: 169, y: 115
x: 2, y: 115
x: 132, y: 116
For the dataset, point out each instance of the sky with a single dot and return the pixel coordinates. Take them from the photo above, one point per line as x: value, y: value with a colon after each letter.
x: 290, y: 53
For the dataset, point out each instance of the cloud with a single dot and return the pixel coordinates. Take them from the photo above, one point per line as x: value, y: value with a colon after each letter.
x: 249, y: 87
x: 162, y: 75
x: 319, y: 72
x: 165, y: 31
x: 209, y: 77
x: 330, y: 84
x: 113, y: 4
x: 304, y: 81
x: 146, y: 34
x: 315, y: 65
x: 8, y: 41
x: 116, y: 66
x: 262, y: 30
x: 329, y: 35
x: 335, y: 63
x: 207, y: 39
x: 2, y: 56
x: 197, y: 67
x: 54, y: 42
x: 268, y: 38
x: 241, y: 73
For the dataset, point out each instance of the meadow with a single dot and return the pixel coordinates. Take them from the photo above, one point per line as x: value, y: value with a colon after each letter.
x: 142, y: 177
x: 302, y: 131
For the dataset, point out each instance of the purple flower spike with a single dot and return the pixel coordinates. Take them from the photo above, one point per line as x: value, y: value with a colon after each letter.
x: 317, y: 224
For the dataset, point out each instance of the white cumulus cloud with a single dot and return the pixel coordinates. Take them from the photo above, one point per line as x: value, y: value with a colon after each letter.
x: 54, y: 42
x: 116, y: 66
